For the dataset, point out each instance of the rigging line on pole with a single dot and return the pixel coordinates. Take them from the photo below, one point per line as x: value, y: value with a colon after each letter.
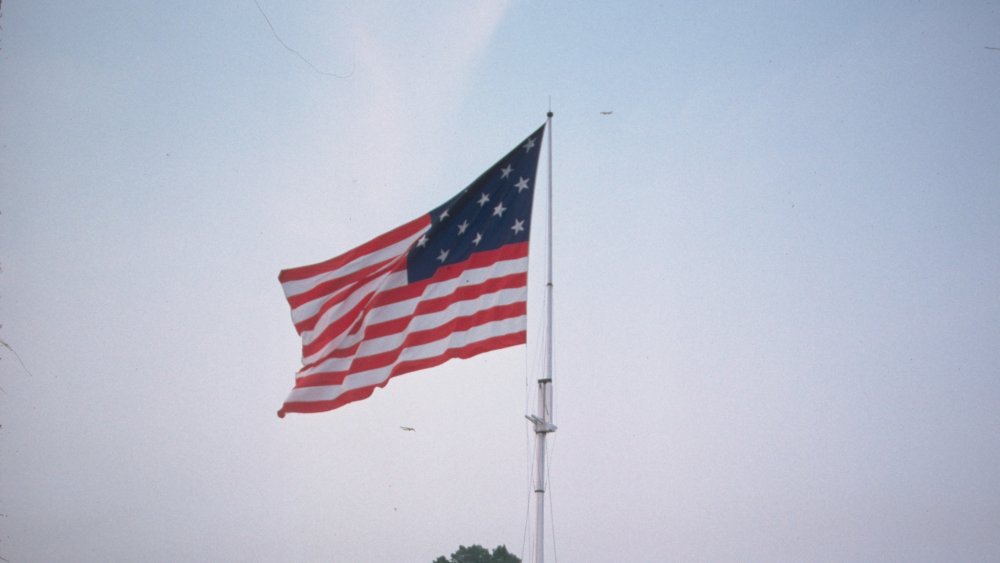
x: 534, y: 366
x: 552, y: 502
x: 527, y: 506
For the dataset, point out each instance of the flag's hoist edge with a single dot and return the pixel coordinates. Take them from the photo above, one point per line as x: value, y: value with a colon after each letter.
x: 450, y: 284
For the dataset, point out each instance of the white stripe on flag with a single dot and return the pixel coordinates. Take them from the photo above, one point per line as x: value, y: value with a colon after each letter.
x: 296, y: 287
x: 422, y: 352
x: 417, y: 323
x: 406, y: 308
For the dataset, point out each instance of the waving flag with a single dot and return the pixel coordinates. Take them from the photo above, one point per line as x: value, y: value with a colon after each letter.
x: 449, y: 284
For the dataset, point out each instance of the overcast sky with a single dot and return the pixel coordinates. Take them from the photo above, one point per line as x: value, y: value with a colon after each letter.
x: 777, y: 278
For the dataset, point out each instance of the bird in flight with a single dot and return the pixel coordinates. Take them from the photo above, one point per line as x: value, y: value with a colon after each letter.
x: 606, y: 112
x: 407, y: 429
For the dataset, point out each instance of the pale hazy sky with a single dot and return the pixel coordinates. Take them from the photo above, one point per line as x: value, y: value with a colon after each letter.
x: 777, y: 279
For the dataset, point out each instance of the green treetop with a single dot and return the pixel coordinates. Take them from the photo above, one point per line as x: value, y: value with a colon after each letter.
x: 479, y: 554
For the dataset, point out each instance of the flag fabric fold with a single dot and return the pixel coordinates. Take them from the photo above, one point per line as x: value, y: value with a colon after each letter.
x: 449, y: 284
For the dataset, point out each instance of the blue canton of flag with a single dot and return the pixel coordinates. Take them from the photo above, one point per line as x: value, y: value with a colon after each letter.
x: 493, y: 211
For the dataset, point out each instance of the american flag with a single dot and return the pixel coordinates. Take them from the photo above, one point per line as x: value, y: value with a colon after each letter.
x: 449, y: 284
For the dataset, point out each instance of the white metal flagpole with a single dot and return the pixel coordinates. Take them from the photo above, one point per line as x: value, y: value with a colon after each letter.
x: 543, y: 420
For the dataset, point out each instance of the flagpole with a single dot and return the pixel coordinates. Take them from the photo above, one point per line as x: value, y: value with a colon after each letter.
x: 543, y: 420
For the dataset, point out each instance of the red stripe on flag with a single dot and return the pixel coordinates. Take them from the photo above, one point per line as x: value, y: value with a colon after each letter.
x: 386, y: 239
x: 416, y: 338
x: 452, y: 271
x: 463, y: 353
x: 474, y: 349
x: 375, y: 299
x: 463, y: 293
x: 325, y: 289
x: 346, y: 321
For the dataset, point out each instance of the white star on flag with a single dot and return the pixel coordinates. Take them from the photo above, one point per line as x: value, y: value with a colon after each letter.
x: 443, y: 256
x: 521, y: 185
x: 462, y: 227
x: 506, y: 171
x: 499, y: 209
x: 518, y: 226
x: 529, y: 145
x: 483, y: 200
